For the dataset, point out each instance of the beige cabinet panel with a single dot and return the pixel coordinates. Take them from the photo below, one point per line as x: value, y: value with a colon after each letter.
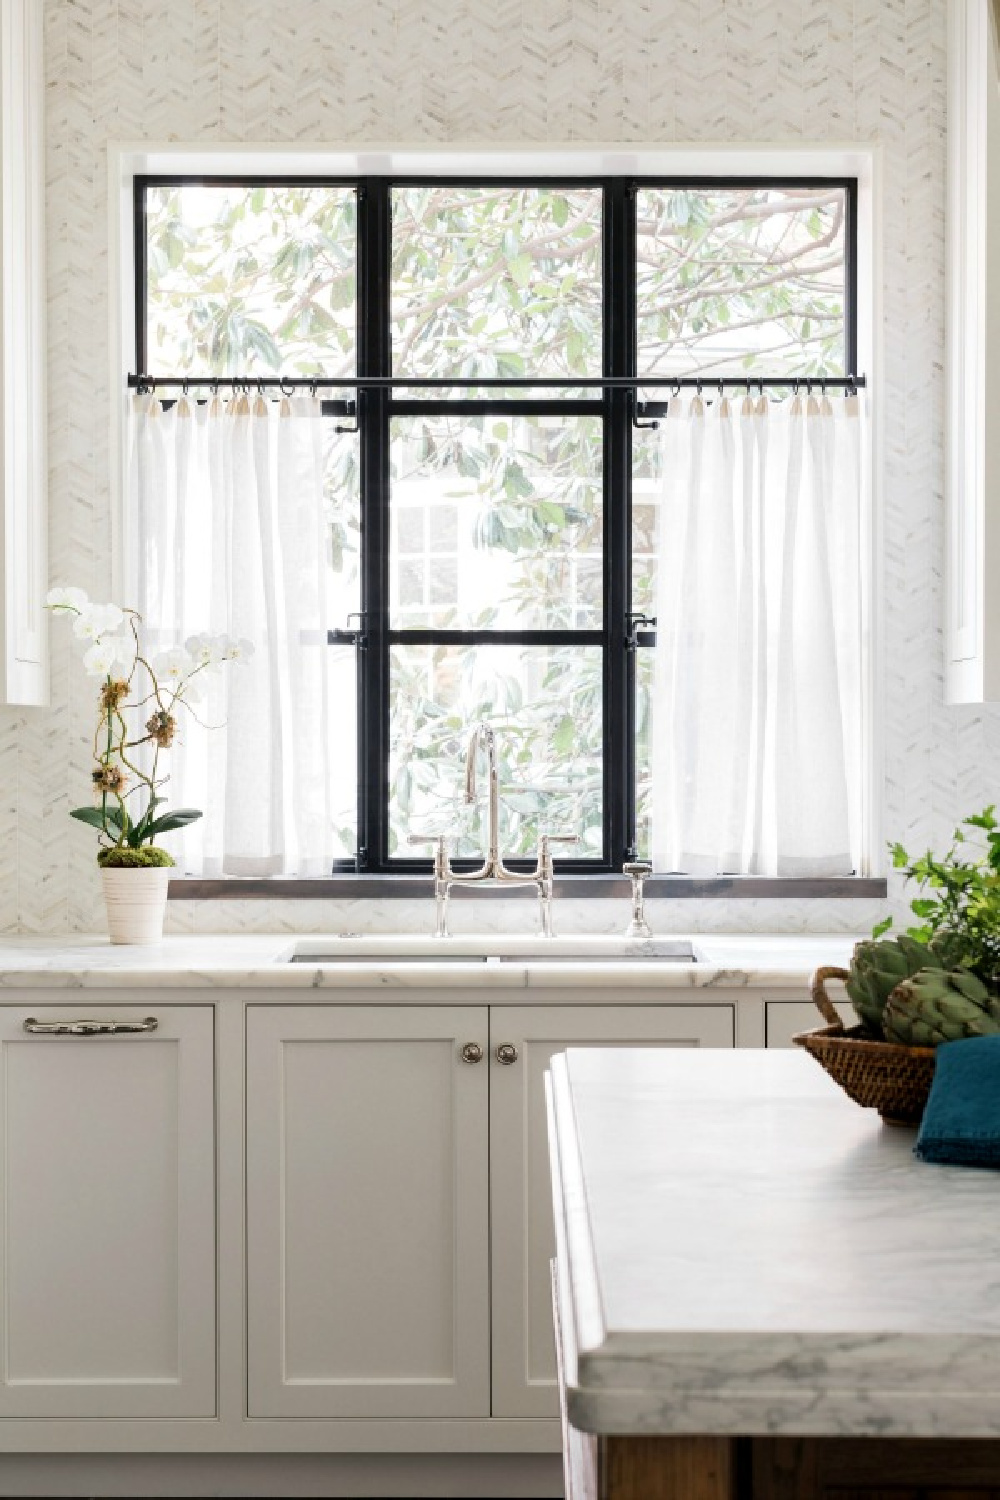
x: 523, y: 1238
x: 107, y: 1154
x: 367, y: 1212
x: 783, y: 1018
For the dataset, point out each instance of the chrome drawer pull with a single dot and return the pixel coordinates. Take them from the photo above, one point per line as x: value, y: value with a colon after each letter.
x: 89, y: 1028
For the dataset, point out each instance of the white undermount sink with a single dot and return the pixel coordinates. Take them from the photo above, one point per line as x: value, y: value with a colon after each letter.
x: 392, y: 948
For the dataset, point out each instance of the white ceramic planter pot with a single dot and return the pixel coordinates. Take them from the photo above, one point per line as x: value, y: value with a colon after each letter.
x: 136, y: 901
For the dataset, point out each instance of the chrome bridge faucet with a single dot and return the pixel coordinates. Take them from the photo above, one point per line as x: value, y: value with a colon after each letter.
x: 493, y: 867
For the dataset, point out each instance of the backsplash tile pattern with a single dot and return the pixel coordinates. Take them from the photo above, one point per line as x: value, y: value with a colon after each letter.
x: 488, y: 72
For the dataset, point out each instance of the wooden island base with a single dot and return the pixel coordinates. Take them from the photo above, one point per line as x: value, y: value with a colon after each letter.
x: 720, y: 1468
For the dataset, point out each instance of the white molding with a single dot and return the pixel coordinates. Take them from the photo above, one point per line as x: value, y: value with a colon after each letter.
x: 24, y: 455
x: 972, y: 541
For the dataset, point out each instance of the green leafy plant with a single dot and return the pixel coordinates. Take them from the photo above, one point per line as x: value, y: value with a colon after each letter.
x: 940, y: 980
x: 959, y: 900
x: 127, y: 743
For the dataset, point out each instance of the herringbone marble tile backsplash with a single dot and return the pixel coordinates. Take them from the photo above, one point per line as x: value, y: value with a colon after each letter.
x: 502, y: 71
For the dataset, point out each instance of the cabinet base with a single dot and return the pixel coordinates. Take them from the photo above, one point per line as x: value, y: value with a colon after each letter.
x: 471, y: 1476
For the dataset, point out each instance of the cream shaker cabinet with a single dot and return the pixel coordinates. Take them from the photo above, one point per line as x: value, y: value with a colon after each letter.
x: 367, y: 1211
x: 396, y: 1168
x: 523, y: 1348
x: 108, y: 1203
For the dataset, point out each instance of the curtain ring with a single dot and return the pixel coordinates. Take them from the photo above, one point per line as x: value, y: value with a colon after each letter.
x: 699, y: 387
x: 185, y: 387
x: 286, y: 388
x: 312, y: 391
x: 721, y: 391
x: 675, y: 389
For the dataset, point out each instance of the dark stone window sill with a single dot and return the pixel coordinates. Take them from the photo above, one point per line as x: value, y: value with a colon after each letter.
x: 671, y: 887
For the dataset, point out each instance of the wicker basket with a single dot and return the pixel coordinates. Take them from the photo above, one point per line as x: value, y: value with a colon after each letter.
x: 885, y: 1076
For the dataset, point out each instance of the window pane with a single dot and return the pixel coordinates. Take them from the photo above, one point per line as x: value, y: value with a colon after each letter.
x: 739, y: 280
x: 496, y: 522
x: 343, y: 750
x: 342, y: 494
x: 646, y: 488
x: 496, y: 281
x: 545, y: 703
x: 251, y: 280
x: 644, y: 668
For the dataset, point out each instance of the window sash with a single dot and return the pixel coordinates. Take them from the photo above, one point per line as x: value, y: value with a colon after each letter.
x: 375, y: 408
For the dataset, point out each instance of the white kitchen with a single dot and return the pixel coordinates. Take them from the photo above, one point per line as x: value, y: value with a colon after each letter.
x: 499, y: 682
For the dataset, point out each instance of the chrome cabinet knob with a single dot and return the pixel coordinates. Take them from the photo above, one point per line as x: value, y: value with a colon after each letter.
x: 472, y: 1052
x: 506, y: 1054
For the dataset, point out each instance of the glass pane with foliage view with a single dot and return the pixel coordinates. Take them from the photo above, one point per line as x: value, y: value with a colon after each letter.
x: 736, y: 281
x: 496, y: 522
x: 496, y: 281
x: 342, y: 729
x: 251, y: 280
x: 545, y: 703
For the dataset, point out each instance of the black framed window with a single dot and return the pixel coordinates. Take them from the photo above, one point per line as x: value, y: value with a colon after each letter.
x: 492, y: 354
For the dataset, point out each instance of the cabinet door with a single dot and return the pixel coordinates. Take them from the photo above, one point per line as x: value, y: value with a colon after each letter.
x: 367, y: 1208
x: 523, y: 1238
x: 783, y: 1018
x: 108, y: 1214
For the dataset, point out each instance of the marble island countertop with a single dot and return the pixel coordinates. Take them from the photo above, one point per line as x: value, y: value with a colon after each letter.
x: 743, y: 1250
x: 261, y: 961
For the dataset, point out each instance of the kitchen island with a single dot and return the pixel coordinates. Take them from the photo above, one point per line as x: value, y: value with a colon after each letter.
x: 760, y: 1290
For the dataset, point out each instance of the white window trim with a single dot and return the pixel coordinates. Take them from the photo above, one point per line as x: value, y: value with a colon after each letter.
x: 127, y: 160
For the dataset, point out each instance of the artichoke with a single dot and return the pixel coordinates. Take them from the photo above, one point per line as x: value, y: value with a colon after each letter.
x: 878, y: 967
x: 936, y: 1006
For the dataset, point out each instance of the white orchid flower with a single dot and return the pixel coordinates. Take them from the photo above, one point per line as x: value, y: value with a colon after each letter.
x: 67, y: 598
x: 239, y: 651
x: 111, y: 651
x: 202, y: 649
x: 96, y: 620
x: 171, y: 667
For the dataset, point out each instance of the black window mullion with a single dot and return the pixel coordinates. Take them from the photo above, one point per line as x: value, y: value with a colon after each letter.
x: 619, y: 359
x: 374, y: 358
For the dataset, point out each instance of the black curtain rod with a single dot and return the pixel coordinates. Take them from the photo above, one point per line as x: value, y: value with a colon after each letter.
x: 252, y: 383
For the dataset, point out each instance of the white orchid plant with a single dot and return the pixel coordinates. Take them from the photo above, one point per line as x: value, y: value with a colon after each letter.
x: 126, y: 777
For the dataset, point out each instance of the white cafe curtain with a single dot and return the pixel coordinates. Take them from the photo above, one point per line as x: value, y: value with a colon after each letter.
x: 227, y: 500
x: 756, y: 711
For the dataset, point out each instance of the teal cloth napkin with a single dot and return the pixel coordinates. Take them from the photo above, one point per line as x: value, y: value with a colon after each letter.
x: 961, y: 1123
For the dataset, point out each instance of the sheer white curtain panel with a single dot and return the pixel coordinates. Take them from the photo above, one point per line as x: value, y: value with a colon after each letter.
x: 227, y: 499
x: 756, y: 713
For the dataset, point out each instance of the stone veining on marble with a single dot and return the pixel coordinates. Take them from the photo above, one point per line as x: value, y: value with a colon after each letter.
x: 773, y: 1259
x: 256, y: 961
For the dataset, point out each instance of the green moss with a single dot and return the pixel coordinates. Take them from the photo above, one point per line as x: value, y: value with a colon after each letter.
x: 133, y: 859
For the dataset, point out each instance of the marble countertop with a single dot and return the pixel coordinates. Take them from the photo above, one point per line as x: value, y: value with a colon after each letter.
x: 260, y: 961
x: 744, y: 1250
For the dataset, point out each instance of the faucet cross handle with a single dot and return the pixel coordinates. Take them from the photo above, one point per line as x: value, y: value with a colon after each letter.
x: 440, y: 842
x: 545, y: 842
x: 637, y: 870
x: 443, y: 877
